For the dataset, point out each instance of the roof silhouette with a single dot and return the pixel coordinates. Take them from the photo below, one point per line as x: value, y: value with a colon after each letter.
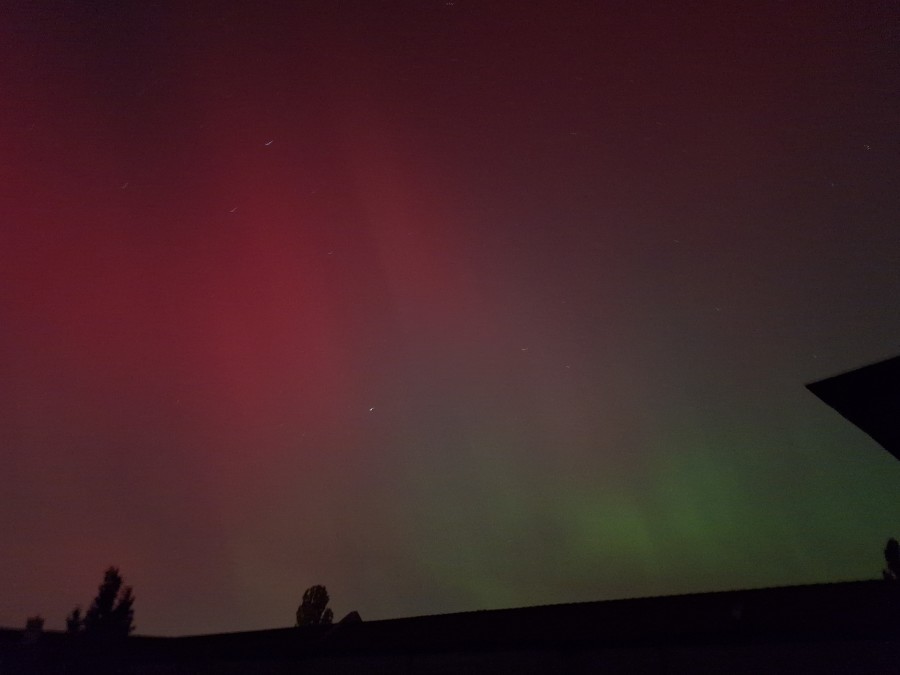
x: 869, y: 397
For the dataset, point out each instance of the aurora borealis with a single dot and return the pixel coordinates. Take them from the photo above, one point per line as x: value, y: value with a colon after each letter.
x: 444, y: 305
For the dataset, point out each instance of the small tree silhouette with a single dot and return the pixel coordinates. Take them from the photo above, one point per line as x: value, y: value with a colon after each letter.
x: 74, y: 622
x: 35, y: 623
x: 97, y: 639
x: 34, y: 627
x: 313, y: 610
x: 892, y: 558
x: 111, y: 615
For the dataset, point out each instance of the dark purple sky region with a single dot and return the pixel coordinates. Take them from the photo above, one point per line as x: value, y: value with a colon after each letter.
x: 445, y: 305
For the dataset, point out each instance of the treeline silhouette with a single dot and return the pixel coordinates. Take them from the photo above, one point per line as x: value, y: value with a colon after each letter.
x: 110, y: 617
x: 95, y: 642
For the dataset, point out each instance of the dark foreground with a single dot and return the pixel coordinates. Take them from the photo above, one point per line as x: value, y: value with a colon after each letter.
x: 849, y: 627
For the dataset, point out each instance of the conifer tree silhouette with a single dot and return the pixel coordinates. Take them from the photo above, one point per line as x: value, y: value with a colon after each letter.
x: 111, y: 615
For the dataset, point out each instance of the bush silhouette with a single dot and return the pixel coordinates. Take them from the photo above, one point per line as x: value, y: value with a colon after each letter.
x: 313, y: 610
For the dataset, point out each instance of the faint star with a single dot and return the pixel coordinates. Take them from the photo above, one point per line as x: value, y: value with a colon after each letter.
x: 268, y: 143
x: 371, y: 409
x: 233, y: 210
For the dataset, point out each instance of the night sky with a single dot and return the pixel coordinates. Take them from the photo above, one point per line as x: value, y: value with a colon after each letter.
x: 444, y: 305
